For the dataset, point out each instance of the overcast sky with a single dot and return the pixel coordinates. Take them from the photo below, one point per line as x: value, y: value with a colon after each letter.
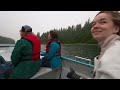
x: 40, y: 21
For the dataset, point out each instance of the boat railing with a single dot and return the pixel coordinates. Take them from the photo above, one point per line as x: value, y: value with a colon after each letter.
x: 80, y: 61
x: 83, y: 59
x: 7, y: 45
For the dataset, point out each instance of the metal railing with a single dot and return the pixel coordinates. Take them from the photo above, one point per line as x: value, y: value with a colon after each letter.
x: 7, y: 45
x: 76, y: 61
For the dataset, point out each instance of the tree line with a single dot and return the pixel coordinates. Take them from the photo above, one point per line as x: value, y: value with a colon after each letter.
x: 72, y: 34
x: 6, y: 40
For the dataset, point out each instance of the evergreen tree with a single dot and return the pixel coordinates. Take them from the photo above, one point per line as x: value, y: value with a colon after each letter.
x: 73, y: 34
x: 38, y: 35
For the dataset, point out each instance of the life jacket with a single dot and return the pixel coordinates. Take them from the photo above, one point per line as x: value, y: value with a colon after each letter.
x: 36, y: 47
x: 48, y: 46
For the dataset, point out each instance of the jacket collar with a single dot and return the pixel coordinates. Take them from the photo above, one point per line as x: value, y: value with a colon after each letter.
x: 107, y: 43
x: 108, y: 40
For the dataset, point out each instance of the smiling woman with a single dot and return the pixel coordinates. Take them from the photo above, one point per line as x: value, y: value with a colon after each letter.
x: 104, y: 25
x: 106, y: 30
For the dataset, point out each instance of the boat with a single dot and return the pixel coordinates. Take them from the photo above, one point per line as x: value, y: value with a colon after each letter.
x: 82, y: 66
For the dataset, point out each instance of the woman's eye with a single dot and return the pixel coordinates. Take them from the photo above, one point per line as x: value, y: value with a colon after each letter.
x: 103, y: 22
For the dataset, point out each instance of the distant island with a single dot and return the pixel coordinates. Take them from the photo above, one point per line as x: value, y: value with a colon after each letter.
x: 6, y: 40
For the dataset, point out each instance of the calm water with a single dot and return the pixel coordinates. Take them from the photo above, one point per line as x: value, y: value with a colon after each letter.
x: 68, y: 50
x: 82, y: 50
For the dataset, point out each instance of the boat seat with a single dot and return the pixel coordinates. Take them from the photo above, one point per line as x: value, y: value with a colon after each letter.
x: 47, y: 73
x: 42, y: 71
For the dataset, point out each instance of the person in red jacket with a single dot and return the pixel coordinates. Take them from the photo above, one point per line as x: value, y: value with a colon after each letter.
x: 53, y: 52
x: 26, y: 55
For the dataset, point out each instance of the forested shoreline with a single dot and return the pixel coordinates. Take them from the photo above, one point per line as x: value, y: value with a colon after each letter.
x: 6, y: 40
x: 70, y: 35
x: 73, y: 34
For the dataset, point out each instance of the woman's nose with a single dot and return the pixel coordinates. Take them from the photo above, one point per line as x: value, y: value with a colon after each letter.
x: 96, y: 25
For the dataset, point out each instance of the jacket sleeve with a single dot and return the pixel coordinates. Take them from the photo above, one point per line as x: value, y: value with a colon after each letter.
x: 110, y: 64
x: 16, y: 53
x: 54, y: 47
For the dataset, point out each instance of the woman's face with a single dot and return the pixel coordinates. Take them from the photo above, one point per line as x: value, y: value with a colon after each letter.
x: 21, y: 34
x: 49, y: 36
x: 103, y: 26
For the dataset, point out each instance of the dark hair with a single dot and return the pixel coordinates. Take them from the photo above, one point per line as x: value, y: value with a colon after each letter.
x: 54, y: 35
x: 115, y: 16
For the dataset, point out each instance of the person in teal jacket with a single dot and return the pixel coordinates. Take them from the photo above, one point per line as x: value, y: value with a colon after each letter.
x: 52, y: 58
x: 26, y: 55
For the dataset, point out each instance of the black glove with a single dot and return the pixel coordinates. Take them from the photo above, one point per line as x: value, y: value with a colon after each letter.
x: 72, y: 74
